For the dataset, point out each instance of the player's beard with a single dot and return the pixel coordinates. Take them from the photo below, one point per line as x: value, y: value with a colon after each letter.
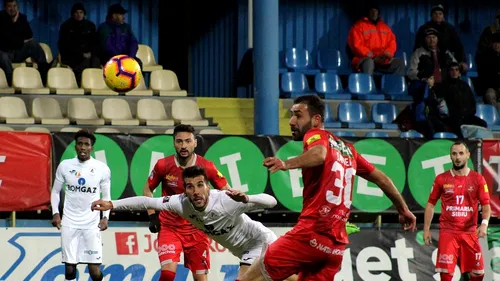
x: 458, y: 167
x: 301, y: 132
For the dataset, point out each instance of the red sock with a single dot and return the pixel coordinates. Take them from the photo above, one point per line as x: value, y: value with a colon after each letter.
x: 476, y: 278
x: 167, y: 275
x: 444, y: 277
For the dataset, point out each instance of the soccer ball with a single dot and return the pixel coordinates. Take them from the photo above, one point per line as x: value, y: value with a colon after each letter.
x: 122, y: 73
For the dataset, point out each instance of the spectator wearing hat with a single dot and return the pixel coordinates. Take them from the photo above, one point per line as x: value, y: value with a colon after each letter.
x: 448, y: 38
x: 372, y: 44
x: 78, y: 44
x: 489, y: 71
x: 116, y: 36
x: 430, y: 58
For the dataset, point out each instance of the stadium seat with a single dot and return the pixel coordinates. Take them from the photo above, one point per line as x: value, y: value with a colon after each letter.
x: 152, y: 112
x: 27, y: 80
x: 211, y: 132
x: 471, y: 85
x: 395, y: 87
x: 117, y: 112
x: 13, y: 111
x: 140, y: 90
x: 47, y: 51
x: 37, y: 129
x: 489, y: 113
x: 48, y: 112
x: 142, y: 131
x: 186, y: 111
x: 330, y: 86
x: 83, y: 112
x: 169, y: 131
x: 363, y: 87
x: 146, y: 55
x: 444, y: 135
x: 295, y: 84
x: 93, y: 83
x: 62, y: 81
x: 472, y: 71
x: 478, y: 132
x: 342, y: 134
x: 383, y: 114
x: 329, y: 60
x: 329, y: 119
x: 107, y: 131
x: 354, y: 114
x: 4, y: 85
x: 376, y: 134
x: 6, y: 129
x: 164, y: 82
x: 411, y: 135
x: 70, y: 130
x: 299, y: 60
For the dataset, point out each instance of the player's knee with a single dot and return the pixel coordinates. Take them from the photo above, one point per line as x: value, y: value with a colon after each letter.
x: 167, y: 275
x: 95, y: 273
x: 446, y: 277
x: 70, y: 272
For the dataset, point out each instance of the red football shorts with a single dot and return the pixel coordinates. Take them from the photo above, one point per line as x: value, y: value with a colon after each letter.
x: 196, y: 248
x: 463, y: 247
x: 312, y: 256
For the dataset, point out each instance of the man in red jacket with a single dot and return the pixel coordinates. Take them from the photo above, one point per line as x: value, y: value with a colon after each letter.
x: 372, y: 45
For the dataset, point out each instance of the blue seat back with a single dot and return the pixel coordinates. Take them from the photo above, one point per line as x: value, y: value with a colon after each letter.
x: 361, y: 84
x: 328, y: 83
x: 341, y: 134
x: 411, y: 135
x: 328, y: 114
x: 376, y: 134
x: 488, y: 113
x: 297, y: 58
x: 445, y: 135
x: 329, y: 59
x: 472, y: 63
x: 352, y: 112
x: 394, y: 84
x: 469, y: 81
x: 295, y: 82
x: 384, y: 112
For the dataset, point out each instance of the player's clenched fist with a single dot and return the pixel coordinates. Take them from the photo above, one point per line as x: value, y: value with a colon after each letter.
x: 274, y: 164
x: 102, y: 205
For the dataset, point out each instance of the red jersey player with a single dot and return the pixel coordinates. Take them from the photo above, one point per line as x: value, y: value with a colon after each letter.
x: 176, y: 234
x: 460, y: 190
x: 314, y: 247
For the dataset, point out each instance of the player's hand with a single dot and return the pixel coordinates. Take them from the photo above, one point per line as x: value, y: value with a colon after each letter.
x: 237, y: 195
x: 102, y: 205
x: 408, y: 220
x: 481, y: 230
x: 154, y: 223
x: 56, y: 220
x: 427, y: 237
x: 103, y: 224
x: 274, y: 164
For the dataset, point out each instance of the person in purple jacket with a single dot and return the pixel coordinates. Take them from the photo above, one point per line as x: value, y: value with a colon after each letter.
x: 116, y: 36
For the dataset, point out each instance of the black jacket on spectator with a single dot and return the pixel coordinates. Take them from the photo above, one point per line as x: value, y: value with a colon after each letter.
x: 488, y: 68
x: 13, y: 34
x: 458, y: 96
x: 75, y: 39
x: 448, y: 39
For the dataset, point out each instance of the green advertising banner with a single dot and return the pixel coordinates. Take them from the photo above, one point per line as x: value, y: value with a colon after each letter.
x: 412, y: 164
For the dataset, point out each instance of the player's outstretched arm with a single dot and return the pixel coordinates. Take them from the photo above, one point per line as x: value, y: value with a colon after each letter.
x: 313, y: 157
x: 428, y: 214
x: 258, y: 201
x: 131, y: 203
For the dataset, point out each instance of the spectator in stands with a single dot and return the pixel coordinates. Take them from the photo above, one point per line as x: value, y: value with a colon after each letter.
x: 448, y: 38
x: 429, y: 57
x: 116, y: 36
x: 484, y: 44
x: 17, y: 43
x: 372, y: 44
x: 78, y: 42
x: 488, y: 67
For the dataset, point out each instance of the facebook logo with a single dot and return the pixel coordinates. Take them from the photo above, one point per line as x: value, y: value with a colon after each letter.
x: 126, y: 243
x: 2, y: 160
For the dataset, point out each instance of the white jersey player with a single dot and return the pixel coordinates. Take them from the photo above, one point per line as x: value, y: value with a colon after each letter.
x: 220, y: 214
x: 85, y: 179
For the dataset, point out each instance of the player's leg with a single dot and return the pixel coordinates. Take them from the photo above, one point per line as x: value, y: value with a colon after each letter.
x: 197, y: 255
x: 90, y: 252
x: 325, y: 271
x: 447, y: 256
x: 69, y: 246
x: 471, y: 257
x: 169, y: 253
x: 95, y: 272
x: 69, y: 272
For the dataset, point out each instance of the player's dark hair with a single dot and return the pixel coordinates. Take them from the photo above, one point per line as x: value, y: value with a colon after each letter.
x: 183, y: 128
x: 84, y: 133
x: 193, y: 172
x: 315, y: 105
x: 461, y: 142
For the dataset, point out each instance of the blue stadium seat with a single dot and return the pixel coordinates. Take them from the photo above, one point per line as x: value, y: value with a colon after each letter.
x: 342, y: 134
x: 376, y: 134
x: 471, y: 85
x: 330, y: 85
x: 476, y: 132
x: 354, y: 115
x: 299, y: 60
x: 295, y: 84
x: 329, y: 60
x: 472, y: 71
x: 411, y: 135
x: 363, y: 86
x: 329, y: 119
x: 383, y: 114
x: 395, y: 87
x: 489, y: 113
x: 445, y: 135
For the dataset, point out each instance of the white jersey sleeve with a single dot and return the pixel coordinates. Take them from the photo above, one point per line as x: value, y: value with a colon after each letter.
x: 255, y: 202
x: 168, y: 203
x: 106, y: 188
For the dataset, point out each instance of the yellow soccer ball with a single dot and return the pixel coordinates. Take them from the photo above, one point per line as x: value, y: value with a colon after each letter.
x: 122, y: 73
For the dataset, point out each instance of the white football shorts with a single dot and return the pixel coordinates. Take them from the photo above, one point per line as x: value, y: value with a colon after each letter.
x: 251, y: 254
x: 81, y: 245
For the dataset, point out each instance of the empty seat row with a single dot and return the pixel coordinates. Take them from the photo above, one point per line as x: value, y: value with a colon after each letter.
x: 115, y: 111
x: 106, y: 130
x: 406, y: 135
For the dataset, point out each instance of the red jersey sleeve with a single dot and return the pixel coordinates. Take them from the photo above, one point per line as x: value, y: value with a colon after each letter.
x: 363, y: 167
x: 436, y: 191
x: 215, y: 177
x: 483, y: 193
x: 315, y: 137
x: 157, y: 174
